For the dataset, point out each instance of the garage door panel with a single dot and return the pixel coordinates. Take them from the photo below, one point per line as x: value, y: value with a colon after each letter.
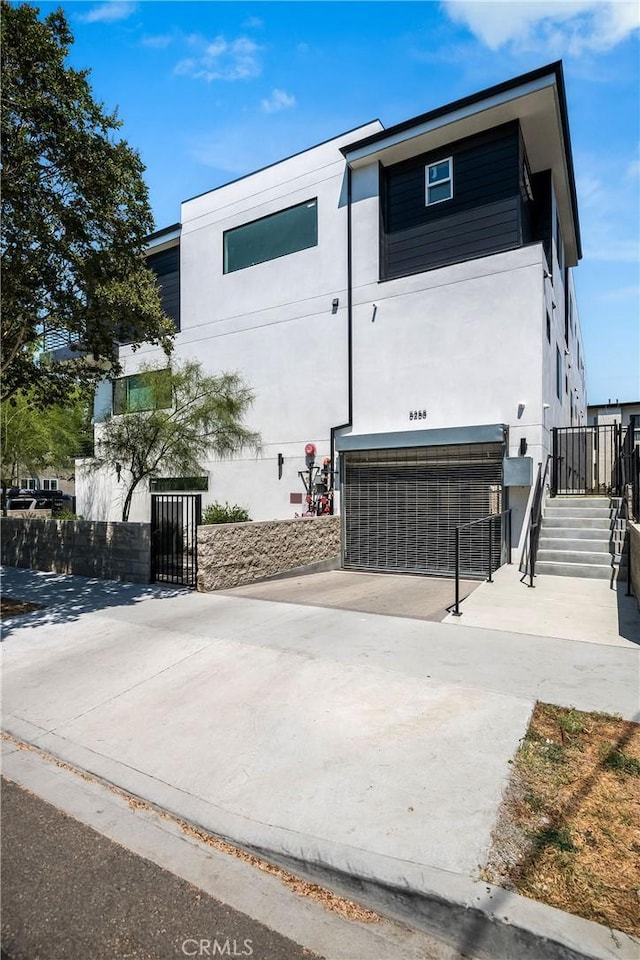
x: 401, y: 507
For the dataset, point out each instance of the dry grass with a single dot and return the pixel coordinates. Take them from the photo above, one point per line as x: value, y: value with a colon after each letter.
x: 14, y: 608
x: 568, y: 833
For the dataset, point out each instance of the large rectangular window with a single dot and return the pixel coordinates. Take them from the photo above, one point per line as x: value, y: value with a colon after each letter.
x: 150, y: 390
x: 277, y: 235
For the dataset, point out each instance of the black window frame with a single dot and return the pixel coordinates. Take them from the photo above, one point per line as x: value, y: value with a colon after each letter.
x: 312, y: 201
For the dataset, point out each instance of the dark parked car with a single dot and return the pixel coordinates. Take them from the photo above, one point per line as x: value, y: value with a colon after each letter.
x: 54, y: 500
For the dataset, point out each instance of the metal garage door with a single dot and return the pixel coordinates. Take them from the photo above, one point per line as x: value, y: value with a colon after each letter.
x: 401, y: 507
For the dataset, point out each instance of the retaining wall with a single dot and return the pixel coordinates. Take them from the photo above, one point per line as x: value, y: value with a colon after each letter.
x: 88, y: 548
x: 231, y: 554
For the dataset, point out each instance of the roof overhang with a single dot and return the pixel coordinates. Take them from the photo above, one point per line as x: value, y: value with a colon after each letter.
x: 443, y: 436
x: 537, y: 100
x: 164, y: 239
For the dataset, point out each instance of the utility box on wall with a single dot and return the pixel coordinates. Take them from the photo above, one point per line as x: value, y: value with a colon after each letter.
x: 518, y: 471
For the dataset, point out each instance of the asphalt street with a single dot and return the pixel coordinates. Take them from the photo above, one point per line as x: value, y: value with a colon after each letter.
x: 69, y: 893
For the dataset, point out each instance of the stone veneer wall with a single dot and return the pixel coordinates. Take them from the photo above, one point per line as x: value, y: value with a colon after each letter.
x: 230, y: 554
x: 634, y: 558
x: 108, y: 551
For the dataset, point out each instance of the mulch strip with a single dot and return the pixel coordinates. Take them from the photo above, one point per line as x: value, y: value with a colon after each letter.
x: 15, y: 608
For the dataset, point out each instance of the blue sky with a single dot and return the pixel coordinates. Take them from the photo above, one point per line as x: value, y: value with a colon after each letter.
x: 210, y: 91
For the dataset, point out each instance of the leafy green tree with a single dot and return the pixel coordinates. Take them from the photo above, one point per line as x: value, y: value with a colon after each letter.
x: 178, y: 419
x: 75, y: 214
x: 36, y: 442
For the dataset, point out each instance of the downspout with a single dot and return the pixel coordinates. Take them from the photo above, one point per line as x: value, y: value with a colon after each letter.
x: 349, y: 422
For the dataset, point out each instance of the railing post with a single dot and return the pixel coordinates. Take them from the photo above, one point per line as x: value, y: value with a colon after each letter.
x: 456, y: 611
x: 554, y: 462
x: 509, y: 560
x: 490, y: 549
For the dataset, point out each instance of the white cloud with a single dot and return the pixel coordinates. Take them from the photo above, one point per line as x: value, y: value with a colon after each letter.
x: 572, y: 27
x: 279, y: 100
x: 110, y: 12
x: 221, y: 59
x: 253, y: 23
x: 157, y: 42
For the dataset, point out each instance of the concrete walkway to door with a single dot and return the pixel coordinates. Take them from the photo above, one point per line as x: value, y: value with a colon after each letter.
x: 394, y: 595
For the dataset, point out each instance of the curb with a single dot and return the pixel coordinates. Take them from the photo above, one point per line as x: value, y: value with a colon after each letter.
x: 477, y: 918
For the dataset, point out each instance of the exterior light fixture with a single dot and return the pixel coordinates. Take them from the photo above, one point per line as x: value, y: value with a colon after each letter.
x: 334, y: 305
x: 118, y: 471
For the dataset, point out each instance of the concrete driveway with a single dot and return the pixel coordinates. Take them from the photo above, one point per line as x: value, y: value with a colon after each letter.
x: 370, y: 745
x: 417, y: 597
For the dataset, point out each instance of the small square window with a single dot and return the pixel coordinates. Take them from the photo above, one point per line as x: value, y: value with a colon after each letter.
x: 439, y: 181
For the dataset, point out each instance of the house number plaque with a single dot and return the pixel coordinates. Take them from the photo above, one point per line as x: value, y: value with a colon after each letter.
x: 417, y: 414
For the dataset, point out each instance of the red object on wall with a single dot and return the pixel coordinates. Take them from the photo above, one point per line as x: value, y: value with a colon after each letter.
x: 295, y: 498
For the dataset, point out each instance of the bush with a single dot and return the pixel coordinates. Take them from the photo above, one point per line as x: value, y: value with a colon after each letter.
x: 224, y: 513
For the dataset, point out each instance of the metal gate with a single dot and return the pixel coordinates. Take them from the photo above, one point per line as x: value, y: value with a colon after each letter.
x: 402, y: 507
x: 587, y: 460
x: 174, y: 550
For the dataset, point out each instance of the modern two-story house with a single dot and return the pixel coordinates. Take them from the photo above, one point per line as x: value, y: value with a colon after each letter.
x: 403, y: 300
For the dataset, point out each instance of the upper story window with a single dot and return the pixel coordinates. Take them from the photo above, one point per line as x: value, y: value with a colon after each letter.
x: 439, y: 181
x: 277, y: 235
x: 558, y: 373
x: 50, y: 484
x: 150, y: 390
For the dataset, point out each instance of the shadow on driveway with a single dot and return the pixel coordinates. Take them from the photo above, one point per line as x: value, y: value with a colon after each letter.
x: 393, y: 595
x: 65, y: 598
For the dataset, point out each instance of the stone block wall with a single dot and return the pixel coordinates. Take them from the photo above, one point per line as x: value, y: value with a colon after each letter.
x: 634, y: 558
x: 231, y: 554
x: 105, y: 550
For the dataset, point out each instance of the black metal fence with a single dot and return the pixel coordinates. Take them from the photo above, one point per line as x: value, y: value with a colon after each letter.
x: 174, y: 549
x: 587, y: 460
x: 497, y: 538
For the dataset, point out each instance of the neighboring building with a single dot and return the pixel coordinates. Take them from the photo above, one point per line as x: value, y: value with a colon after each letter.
x: 48, y: 483
x: 402, y: 299
x: 599, y: 414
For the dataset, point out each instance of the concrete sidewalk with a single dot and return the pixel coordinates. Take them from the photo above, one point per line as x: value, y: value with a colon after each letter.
x: 362, y: 745
x: 574, y: 608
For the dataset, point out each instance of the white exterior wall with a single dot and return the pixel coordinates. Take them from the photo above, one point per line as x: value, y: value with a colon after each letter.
x: 272, y: 322
x: 465, y: 342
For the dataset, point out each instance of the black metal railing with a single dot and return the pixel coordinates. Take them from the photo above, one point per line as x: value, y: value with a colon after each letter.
x: 587, y: 460
x: 503, y: 550
x: 630, y: 468
x: 535, y: 522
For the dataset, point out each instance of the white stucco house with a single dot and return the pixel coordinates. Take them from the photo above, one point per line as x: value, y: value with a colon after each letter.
x: 401, y: 298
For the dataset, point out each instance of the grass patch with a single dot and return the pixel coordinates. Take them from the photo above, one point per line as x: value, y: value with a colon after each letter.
x: 567, y: 832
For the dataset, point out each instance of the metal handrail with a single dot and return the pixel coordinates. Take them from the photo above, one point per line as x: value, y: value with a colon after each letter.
x: 490, y: 518
x: 535, y: 520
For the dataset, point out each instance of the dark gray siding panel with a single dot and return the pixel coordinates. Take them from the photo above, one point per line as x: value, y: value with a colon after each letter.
x: 166, y: 266
x: 483, y: 216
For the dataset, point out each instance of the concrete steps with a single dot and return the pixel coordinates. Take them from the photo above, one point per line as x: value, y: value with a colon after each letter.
x: 581, y: 537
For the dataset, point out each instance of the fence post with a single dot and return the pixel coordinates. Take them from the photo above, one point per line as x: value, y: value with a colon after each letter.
x: 490, y: 549
x: 554, y: 461
x: 456, y: 611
